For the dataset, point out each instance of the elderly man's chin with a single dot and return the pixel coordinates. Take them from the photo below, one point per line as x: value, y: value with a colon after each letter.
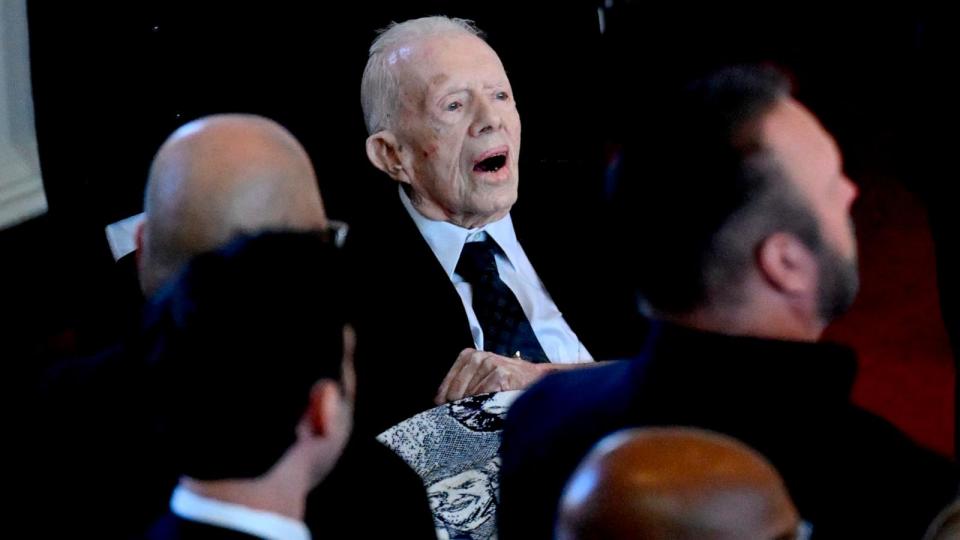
x: 493, y: 204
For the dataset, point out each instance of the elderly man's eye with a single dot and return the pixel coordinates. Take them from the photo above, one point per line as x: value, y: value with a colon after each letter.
x: 456, y: 105
x: 503, y: 96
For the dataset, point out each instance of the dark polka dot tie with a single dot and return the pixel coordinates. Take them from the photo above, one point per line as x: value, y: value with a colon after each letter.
x: 506, y: 330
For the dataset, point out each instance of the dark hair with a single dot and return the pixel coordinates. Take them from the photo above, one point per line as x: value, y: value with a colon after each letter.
x: 237, y: 342
x: 705, y: 191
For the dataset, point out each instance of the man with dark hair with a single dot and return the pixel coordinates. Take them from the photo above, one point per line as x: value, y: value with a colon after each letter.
x: 748, y: 254
x: 212, y: 179
x: 255, y: 384
x: 744, y: 195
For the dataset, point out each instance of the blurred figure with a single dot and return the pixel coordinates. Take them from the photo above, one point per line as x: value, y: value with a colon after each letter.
x: 217, y: 177
x: 676, y: 484
x: 749, y: 253
x: 947, y: 524
x: 214, y: 178
x: 255, y: 385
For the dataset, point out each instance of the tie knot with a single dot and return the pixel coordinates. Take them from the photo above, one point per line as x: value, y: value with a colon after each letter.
x: 477, y: 259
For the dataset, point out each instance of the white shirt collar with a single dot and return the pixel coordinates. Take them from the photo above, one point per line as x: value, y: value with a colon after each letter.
x: 446, y: 240
x: 260, y: 523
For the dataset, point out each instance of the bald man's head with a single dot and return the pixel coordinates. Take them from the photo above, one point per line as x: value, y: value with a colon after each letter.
x: 676, y: 483
x: 947, y: 525
x: 219, y: 176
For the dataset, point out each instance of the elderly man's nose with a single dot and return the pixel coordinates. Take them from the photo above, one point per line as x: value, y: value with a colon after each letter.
x: 486, y: 120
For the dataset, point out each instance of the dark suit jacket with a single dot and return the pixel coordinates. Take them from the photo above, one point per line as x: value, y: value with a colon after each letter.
x: 174, y: 527
x: 851, y: 474
x: 371, y: 490
x: 96, y: 448
x: 411, y: 324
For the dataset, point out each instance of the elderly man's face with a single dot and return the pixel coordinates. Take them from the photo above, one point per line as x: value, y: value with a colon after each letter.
x: 457, y: 129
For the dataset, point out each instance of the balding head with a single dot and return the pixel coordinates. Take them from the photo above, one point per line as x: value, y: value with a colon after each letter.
x: 947, y: 525
x: 676, y: 483
x: 219, y: 176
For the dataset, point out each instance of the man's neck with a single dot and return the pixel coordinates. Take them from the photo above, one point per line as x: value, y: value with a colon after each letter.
x: 747, y: 322
x: 279, y: 491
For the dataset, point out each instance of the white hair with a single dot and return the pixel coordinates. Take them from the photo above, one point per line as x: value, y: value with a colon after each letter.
x: 380, y: 88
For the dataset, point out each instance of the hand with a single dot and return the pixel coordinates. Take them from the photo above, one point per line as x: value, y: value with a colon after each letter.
x: 477, y: 372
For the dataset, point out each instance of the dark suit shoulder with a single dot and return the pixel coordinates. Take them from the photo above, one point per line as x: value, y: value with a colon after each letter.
x: 571, y: 397
x: 409, y: 319
x: 548, y: 430
x: 894, y: 474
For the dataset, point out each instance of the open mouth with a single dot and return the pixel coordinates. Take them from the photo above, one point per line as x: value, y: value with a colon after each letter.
x: 491, y: 162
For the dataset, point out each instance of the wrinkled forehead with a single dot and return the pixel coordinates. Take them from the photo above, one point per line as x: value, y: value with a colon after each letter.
x: 455, y: 58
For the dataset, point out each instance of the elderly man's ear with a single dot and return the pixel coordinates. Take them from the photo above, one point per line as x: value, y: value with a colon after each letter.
x: 384, y: 151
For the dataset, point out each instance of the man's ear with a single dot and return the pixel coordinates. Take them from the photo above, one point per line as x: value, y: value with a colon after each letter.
x: 787, y: 264
x: 324, y: 407
x: 383, y: 150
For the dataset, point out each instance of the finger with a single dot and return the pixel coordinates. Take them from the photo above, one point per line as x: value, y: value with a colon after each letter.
x: 454, y: 371
x: 494, y: 381
x: 509, y: 375
x: 475, y: 368
x: 454, y: 376
x: 490, y: 364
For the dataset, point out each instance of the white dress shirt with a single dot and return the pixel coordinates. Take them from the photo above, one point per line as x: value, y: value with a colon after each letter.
x: 260, y: 523
x: 446, y: 240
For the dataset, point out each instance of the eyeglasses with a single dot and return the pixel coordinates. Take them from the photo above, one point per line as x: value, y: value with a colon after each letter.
x: 802, y: 532
x: 335, y: 233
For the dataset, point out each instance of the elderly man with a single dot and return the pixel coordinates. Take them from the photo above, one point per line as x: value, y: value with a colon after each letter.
x: 459, y: 308
x: 676, y: 483
x: 754, y: 257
